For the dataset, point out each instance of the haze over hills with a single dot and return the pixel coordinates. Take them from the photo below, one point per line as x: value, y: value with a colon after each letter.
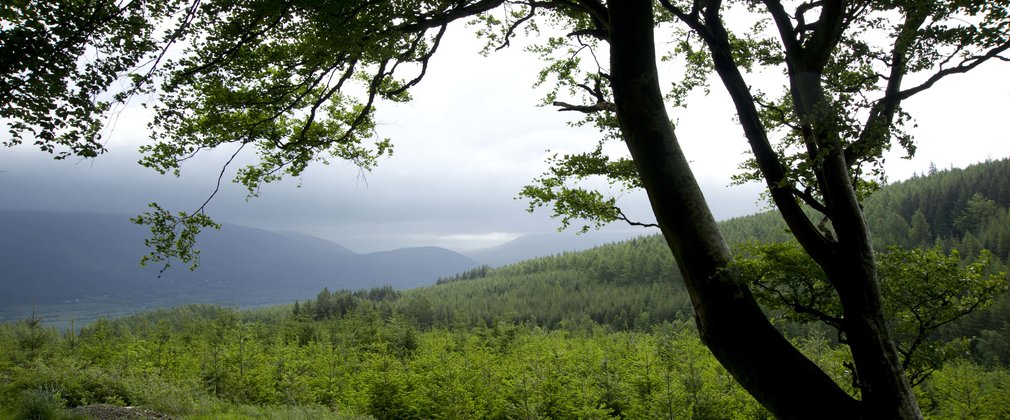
x: 636, y: 283
x: 68, y: 259
x: 72, y: 258
x: 65, y: 258
x: 544, y: 244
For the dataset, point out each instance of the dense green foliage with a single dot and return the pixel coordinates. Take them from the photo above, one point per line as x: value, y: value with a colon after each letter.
x: 958, y: 208
x: 51, y: 96
x: 923, y: 290
x: 966, y: 209
x: 600, y: 333
x: 205, y: 362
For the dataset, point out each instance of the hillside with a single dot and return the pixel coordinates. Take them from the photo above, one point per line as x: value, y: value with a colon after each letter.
x: 956, y: 208
x: 629, y: 285
x: 603, y: 333
x: 634, y: 285
x: 77, y: 259
x: 543, y: 244
x: 965, y: 209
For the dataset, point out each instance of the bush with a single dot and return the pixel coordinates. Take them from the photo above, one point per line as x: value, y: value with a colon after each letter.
x: 77, y: 386
x: 964, y: 390
x: 155, y: 393
x: 43, y: 403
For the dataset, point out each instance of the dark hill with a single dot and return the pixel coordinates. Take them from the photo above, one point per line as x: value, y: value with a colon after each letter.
x: 54, y: 257
x: 543, y: 244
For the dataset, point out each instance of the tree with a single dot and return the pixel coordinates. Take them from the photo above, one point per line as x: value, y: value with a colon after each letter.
x: 977, y: 213
x: 922, y: 289
x: 918, y: 233
x: 298, y: 80
x: 48, y: 94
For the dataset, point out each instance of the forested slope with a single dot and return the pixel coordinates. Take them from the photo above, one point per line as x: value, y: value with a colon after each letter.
x: 630, y: 285
x: 965, y: 209
x: 604, y: 333
x: 635, y: 284
x: 956, y: 208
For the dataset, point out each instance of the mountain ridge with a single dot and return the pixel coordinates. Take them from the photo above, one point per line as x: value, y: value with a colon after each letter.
x: 59, y: 256
x: 536, y: 245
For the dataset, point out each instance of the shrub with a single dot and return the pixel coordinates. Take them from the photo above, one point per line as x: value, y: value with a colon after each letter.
x: 42, y: 403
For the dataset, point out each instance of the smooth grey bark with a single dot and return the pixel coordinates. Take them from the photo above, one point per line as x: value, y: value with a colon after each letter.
x: 729, y: 320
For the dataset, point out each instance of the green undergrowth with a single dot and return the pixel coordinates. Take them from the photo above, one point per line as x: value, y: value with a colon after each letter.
x: 214, y: 363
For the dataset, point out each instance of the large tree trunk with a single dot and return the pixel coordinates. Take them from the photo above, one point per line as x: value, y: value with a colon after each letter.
x: 886, y: 392
x: 729, y: 320
x: 848, y: 259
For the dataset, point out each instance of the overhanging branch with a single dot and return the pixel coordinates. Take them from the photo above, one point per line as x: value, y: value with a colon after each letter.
x: 621, y: 216
x: 965, y: 66
x: 510, y: 32
x: 588, y: 109
x: 438, y: 19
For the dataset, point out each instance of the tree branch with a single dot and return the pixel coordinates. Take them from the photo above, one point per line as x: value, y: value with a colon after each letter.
x: 588, y: 109
x: 450, y: 15
x: 424, y: 63
x: 621, y: 216
x: 779, y: 111
x: 510, y: 32
x: 595, y: 33
x: 963, y: 67
x: 690, y: 19
x: 599, y: 13
x: 811, y: 201
x: 882, y: 113
x: 816, y: 244
x: 826, y: 35
x: 801, y: 25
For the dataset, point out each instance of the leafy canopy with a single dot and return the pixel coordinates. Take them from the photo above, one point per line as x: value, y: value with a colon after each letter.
x: 922, y: 290
x: 297, y: 81
x: 58, y: 59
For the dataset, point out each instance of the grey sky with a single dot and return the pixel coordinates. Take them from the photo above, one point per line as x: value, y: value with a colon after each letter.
x: 464, y: 147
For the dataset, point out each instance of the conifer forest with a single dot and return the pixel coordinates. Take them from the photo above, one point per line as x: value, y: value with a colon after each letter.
x: 574, y: 335
x: 861, y: 293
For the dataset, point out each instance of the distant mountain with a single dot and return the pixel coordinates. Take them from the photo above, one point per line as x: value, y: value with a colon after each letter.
x: 415, y: 266
x: 51, y: 257
x: 545, y: 244
x: 315, y: 241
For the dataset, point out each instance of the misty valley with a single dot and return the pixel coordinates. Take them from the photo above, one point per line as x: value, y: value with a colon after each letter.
x: 78, y: 267
x: 773, y: 209
x: 605, y: 332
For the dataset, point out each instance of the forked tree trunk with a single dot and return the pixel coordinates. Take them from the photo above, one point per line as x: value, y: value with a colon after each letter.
x: 852, y: 271
x: 885, y: 390
x: 848, y: 260
x: 729, y: 320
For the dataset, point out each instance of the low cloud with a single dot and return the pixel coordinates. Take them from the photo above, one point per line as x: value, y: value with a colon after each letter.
x: 463, y: 150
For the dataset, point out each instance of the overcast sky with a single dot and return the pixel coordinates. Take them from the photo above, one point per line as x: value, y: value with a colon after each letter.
x: 464, y: 147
